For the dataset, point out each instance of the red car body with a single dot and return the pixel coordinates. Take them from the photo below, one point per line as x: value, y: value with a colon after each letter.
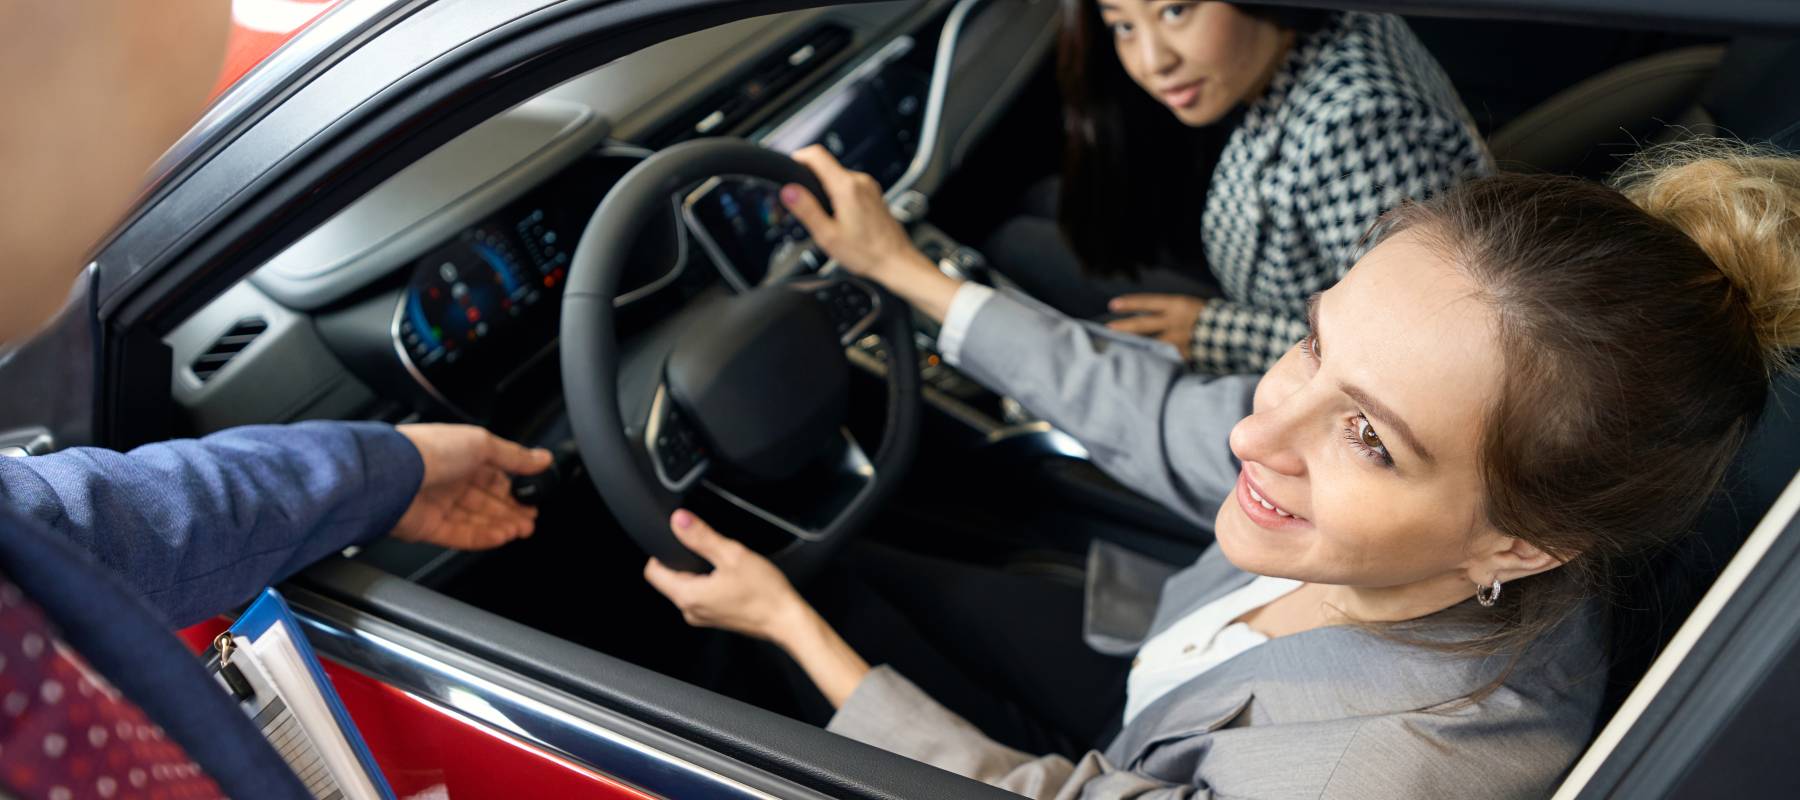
x: 260, y: 27
x: 427, y: 751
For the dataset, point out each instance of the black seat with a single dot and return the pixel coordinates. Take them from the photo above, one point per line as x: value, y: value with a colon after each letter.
x: 1746, y: 91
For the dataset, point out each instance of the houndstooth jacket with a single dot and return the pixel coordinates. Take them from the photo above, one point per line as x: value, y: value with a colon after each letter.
x: 1358, y: 118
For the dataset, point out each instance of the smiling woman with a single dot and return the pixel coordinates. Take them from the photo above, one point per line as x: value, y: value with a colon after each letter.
x: 1527, y: 382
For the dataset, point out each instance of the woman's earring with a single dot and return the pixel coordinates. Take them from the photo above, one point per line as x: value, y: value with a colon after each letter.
x: 1488, y: 595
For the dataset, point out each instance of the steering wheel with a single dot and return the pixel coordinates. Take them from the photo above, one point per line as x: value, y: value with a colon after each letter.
x: 734, y: 393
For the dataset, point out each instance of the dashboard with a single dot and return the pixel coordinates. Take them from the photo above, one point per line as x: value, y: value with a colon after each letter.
x: 439, y: 292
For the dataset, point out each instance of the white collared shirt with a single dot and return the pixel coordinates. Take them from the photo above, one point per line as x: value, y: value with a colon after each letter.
x: 1205, y: 638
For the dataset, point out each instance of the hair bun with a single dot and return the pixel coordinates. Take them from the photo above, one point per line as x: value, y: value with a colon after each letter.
x: 1741, y: 204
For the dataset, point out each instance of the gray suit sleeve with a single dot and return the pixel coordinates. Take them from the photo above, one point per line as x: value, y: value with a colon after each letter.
x: 1143, y: 416
x: 889, y: 712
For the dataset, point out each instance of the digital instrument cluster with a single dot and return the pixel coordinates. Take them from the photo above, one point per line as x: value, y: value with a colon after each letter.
x: 478, y: 306
x: 480, y: 285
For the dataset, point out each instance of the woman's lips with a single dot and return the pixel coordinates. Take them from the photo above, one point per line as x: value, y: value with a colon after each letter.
x: 1263, y: 511
x: 1184, y: 96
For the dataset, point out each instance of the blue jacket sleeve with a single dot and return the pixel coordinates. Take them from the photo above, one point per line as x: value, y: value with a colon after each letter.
x: 199, y: 526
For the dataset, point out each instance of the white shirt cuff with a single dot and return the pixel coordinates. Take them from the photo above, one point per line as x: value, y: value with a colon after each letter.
x: 969, y: 299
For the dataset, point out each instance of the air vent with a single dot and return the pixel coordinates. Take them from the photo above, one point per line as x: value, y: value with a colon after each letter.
x: 227, y: 347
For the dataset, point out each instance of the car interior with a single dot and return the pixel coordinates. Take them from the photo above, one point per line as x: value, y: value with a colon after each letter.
x: 436, y: 296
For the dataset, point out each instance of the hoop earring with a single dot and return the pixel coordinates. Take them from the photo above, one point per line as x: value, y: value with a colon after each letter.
x: 1487, y: 596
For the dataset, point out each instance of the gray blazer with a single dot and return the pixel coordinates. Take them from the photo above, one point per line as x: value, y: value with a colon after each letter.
x: 1332, y: 712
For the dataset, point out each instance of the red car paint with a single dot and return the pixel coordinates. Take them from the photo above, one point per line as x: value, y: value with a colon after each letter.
x: 428, y: 751
x: 260, y: 27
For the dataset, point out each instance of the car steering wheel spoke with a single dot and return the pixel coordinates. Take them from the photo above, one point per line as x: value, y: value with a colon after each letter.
x: 852, y: 304
x: 833, y: 485
x: 677, y: 453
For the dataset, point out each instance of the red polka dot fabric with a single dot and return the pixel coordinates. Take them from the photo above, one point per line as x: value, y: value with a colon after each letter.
x: 67, y: 734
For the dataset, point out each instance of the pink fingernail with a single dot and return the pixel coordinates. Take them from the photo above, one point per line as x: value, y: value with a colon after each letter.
x: 683, y: 518
x: 790, y: 194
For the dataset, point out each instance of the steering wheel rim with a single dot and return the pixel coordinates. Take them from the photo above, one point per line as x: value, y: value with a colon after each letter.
x: 624, y: 466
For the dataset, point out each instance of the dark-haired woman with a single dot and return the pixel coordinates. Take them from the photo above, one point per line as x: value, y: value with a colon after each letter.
x: 1234, y: 152
x: 1419, y: 511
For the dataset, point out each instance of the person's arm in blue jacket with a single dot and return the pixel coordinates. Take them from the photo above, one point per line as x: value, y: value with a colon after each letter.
x: 201, y: 525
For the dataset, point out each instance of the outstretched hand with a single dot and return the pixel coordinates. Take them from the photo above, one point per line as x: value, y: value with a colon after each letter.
x: 465, y: 501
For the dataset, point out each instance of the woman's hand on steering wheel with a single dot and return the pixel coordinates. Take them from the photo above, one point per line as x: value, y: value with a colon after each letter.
x: 863, y: 236
x: 745, y: 593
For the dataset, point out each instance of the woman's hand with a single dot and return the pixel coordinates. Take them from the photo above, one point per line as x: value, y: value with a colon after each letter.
x: 465, y: 501
x: 861, y: 233
x: 746, y: 594
x: 1164, y: 317
x: 863, y: 236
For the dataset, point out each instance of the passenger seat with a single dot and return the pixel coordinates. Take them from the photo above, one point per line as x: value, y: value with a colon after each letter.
x: 1747, y: 90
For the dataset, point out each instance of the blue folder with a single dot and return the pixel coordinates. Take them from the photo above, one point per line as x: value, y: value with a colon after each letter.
x: 270, y: 610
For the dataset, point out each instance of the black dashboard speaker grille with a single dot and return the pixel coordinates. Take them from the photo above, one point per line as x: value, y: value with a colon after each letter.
x: 227, y: 347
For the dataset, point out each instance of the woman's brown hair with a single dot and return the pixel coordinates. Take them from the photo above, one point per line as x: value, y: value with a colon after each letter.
x: 1640, y: 326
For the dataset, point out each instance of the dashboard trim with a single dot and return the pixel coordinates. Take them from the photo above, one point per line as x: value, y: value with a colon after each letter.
x: 726, y: 268
x: 360, y: 245
x: 934, y: 98
x: 407, y: 362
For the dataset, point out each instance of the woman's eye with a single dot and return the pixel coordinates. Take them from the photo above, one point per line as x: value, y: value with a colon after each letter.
x: 1366, y: 440
x: 1310, y: 346
x: 1120, y: 30
x: 1171, y: 13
